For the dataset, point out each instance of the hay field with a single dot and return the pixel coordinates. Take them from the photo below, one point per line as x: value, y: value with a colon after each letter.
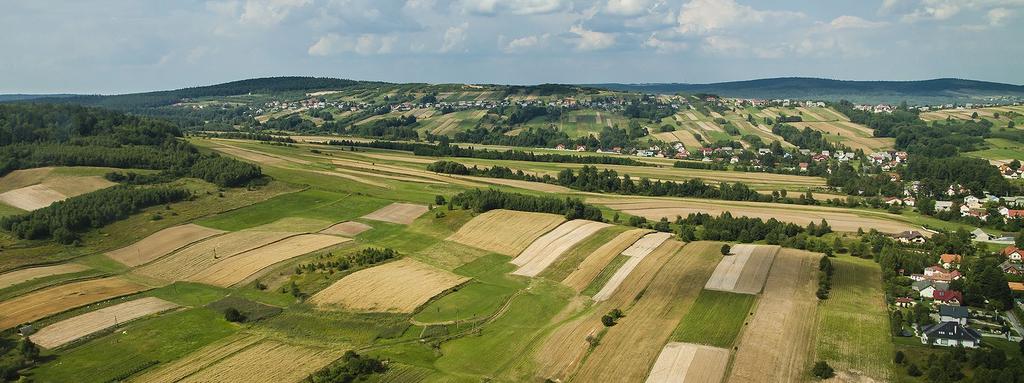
x: 265, y: 361
x: 235, y: 269
x: 32, y: 189
x: 580, y: 278
x: 347, y: 229
x: 849, y: 134
x: 24, y: 275
x: 562, y: 352
x: 838, y: 219
x: 630, y: 348
x: 69, y: 330
x: 161, y: 243
x: 399, y: 286
x: 637, y: 252
x: 257, y: 156
x: 505, y: 231
x: 716, y: 319
x: 202, y: 255
x: 676, y: 359
x: 853, y: 325
x: 401, y: 213
x: 777, y: 345
x: 399, y: 158
x: 546, y: 249
x: 180, y: 369
x: 528, y: 185
x: 43, y: 303
x: 745, y: 271
x: 684, y: 136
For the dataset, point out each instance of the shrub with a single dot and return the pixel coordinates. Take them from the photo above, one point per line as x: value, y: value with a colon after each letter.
x: 822, y: 370
x: 726, y: 249
x: 233, y: 315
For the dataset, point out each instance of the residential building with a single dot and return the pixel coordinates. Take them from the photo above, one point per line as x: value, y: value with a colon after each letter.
x: 950, y: 334
x: 957, y: 314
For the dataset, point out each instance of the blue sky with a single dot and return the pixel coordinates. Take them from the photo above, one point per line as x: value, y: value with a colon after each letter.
x: 109, y: 46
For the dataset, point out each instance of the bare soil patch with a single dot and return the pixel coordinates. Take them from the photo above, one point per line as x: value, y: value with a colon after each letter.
x: 505, y: 231
x: 400, y: 286
x: 24, y: 275
x: 161, y: 243
x: 546, y: 249
x: 69, y: 330
x: 401, y: 213
x: 46, y: 302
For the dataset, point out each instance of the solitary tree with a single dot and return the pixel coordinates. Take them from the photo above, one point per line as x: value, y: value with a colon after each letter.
x: 726, y: 249
x: 233, y: 315
x: 822, y: 370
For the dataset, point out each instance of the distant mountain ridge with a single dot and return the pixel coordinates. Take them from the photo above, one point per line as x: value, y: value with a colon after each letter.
x: 936, y: 91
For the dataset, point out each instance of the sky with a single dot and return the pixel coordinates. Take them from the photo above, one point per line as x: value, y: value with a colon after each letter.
x: 114, y: 46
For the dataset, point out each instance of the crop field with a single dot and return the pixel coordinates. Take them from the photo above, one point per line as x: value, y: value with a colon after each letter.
x: 25, y: 275
x: 33, y: 189
x: 237, y: 268
x: 347, y: 229
x: 744, y: 271
x: 715, y: 319
x: 778, y: 344
x: 546, y: 249
x: 676, y: 359
x: 49, y: 301
x: 399, y: 286
x: 838, y: 219
x: 401, y: 213
x: 263, y: 361
x: 204, y: 254
x: 160, y: 244
x: 630, y: 348
x: 849, y: 134
x: 637, y: 252
x: 853, y: 324
x: 596, y: 261
x: 505, y: 231
x: 69, y: 330
x: 192, y: 363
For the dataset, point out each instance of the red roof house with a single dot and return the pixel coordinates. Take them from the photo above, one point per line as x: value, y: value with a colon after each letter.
x: 948, y: 296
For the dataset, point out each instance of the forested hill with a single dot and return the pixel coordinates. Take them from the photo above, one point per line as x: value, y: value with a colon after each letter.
x: 135, y: 101
x: 935, y: 91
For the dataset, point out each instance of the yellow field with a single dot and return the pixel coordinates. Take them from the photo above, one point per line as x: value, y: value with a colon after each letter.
x: 69, y: 330
x: 161, y: 243
x: 53, y: 300
x: 235, y: 269
x: 579, y: 279
x: 505, y: 231
x: 401, y: 213
x: 202, y: 255
x: 399, y: 286
x: 24, y: 275
x: 546, y: 249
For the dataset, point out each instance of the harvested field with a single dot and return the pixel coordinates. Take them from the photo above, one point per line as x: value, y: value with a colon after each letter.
x: 32, y: 189
x: 745, y: 271
x: 180, y: 369
x: 53, y: 300
x: 69, y: 330
x: 24, y: 275
x: 849, y: 134
x: 528, y: 185
x: 32, y: 197
x: 630, y: 348
x: 637, y: 252
x: 596, y: 261
x: 400, y: 158
x: 691, y: 116
x: 401, y: 213
x: 257, y: 156
x: 675, y: 360
x: 347, y: 229
x: 809, y: 113
x: 505, y: 231
x: 778, y: 343
x: 24, y: 177
x: 546, y: 249
x: 161, y: 243
x: 684, y: 136
x: 266, y: 361
x: 400, y: 286
x: 232, y: 270
x: 204, y: 254
x: 838, y: 219
x: 709, y: 127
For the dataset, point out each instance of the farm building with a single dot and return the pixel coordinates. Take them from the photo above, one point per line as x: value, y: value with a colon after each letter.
x: 950, y: 334
x: 957, y: 314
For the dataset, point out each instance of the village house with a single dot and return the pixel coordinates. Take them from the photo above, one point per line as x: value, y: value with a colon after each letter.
x: 1016, y: 286
x: 927, y: 288
x: 948, y: 297
x: 1013, y: 253
x: 911, y: 236
x: 950, y: 261
x: 1010, y: 267
x: 905, y: 302
x: 950, y: 334
x: 980, y: 235
x: 941, y: 206
x: 958, y: 314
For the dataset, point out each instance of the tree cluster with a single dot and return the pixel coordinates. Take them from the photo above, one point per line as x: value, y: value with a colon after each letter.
x: 485, y: 200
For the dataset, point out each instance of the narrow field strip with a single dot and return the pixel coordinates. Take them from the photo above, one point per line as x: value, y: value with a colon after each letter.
x: 546, y: 249
x: 505, y: 231
x: 638, y: 255
x: 398, y: 212
x: 579, y: 279
x: 180, y: 369
x: 192, y: 259
x: 69, y: 330
x: 690, y: 363
x: 53, y: 300
x: 24, y: 275
x: 239, y: 267
x: 161, y: 243
x: 347, y: 229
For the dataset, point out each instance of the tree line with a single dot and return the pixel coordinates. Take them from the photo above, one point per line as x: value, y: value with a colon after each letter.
x: 486, y: 200
x: 444, y: 149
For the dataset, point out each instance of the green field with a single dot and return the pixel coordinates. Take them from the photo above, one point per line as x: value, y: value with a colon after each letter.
x: 606, y: 274
x: 490, y: 289
x: 853, y: 323
x: 715, y: 319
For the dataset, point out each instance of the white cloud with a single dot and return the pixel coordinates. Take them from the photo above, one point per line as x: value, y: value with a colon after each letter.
x: 705, y: 16
x: 628, y: 7
x: 854, y: 22
x: 525, y: 43
x: 365, y: 44
x: 454, y: 37
x: 664, y: 46
x: 591, y: 40
x: 997, y: 16
x: 268, y: 12
x: 724, y: 45
x: 515, y: 7
x: 933, y: 10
